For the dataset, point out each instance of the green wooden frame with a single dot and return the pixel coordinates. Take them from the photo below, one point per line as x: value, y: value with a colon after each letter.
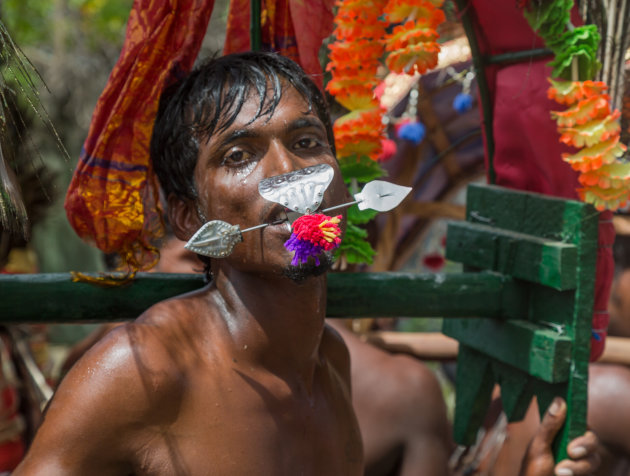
x: 541, y: 347
x: 522, y: 311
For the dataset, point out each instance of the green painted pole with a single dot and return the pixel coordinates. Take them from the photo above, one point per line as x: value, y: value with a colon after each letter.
x: 484, y: 92
x: 255, y: 33
x: 55, y: 298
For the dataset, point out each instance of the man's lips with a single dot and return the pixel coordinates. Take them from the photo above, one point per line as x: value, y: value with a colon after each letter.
x: 277, y: 215
x: 280, y: 214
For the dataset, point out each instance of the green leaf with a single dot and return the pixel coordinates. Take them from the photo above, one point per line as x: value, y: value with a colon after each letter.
x: 549, y: 18
x: 354, y: 246
x: 360, y: 217
x: 580, y: 45
x: 363, y: 169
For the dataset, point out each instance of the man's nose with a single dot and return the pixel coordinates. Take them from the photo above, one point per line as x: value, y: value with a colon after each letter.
x: 281, y: 160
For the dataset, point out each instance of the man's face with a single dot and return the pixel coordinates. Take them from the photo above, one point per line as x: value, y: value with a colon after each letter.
x: 232, y: 163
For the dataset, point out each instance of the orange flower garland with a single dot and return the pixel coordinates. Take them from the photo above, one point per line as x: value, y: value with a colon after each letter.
x: 413, y: 46
x: 589, y: 124
x: 354, y: 61
x: 359, y: 133
x: 355, y: 58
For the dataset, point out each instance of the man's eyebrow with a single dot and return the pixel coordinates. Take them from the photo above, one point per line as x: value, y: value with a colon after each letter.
x: 238, y: 134
x: 305, y: 122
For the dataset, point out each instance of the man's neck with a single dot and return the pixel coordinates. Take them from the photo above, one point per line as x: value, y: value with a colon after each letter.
x: 274, y: 321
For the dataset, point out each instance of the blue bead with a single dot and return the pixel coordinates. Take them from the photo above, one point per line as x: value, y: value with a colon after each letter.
x: 413, y: 132
x: 462, y: 103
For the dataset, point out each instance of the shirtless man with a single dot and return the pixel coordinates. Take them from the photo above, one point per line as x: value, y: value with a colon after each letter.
x: 241, y: 377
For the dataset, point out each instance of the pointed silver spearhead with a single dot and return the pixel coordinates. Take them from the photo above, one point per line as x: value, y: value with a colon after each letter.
x: 215, y: 239
x: 381, y: 196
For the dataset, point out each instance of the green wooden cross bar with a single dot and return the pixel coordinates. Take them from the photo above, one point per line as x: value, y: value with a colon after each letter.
x: 541, y: 346
x: 55, y: 298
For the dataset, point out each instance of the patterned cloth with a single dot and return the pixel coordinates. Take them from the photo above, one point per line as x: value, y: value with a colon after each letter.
x: 113, y: 198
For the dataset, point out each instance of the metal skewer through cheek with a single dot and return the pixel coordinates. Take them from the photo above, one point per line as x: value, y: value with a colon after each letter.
x: 217, y: 238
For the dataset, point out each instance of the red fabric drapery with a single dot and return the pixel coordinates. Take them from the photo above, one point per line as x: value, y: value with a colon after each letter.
x: 281, y: 19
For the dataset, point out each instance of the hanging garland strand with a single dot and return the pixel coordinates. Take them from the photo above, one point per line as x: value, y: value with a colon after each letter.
x: 588, y: 124
x: 355, y: 58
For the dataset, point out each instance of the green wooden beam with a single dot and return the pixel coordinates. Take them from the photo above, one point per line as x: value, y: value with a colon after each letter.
x: 539, y: 260
x: 541, y: 352
x: 419, y: 295
x: 55, y: 298
x: 524, y: 212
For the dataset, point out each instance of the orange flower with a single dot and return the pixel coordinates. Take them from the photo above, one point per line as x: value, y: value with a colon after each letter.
x: 353, y: 93
x: 591, y: 158
x: 605, y: 198
x: 426, y: 11
x: 595, y: 107
x: 362, y: 50
x: 612, y: 176
x: 570, y: 92
x: 592, y: 132
x: 414, y: 58
x: 359, y: 133
x: 362, y: 24
x: 409, y: 34
x: 589, y: 124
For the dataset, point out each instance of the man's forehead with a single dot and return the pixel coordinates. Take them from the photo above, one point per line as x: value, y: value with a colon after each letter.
x: 255, y: 111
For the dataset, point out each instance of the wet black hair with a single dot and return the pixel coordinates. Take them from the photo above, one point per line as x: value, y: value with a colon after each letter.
x: 208, y: 101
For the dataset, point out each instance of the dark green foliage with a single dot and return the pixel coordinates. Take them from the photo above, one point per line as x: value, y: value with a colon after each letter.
x: 355, y: 247
x: 362, y: 169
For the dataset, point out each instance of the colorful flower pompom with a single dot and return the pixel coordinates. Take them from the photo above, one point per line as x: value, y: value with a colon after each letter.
x: 312, y: 235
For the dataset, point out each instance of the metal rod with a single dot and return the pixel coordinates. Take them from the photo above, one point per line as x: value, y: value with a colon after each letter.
x: 343, y: 205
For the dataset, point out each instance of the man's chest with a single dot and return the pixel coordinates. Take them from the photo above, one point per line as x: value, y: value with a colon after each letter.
x: 247, y: 424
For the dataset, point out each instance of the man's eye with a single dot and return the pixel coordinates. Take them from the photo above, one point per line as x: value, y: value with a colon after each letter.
x: 307, y: 143
x: 237, y: 157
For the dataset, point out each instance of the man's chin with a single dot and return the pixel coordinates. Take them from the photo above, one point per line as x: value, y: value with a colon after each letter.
x: 302, y: 272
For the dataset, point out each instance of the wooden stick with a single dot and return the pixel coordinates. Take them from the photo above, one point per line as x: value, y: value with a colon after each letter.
x: 617, y: 59
x: 624, y: 44
x: 423, y: 345
x: 617, y: 351
x: 437, y: 346
x: 609, y: 41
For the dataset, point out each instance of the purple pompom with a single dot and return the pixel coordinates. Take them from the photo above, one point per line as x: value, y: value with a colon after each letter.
x: 303, y: 249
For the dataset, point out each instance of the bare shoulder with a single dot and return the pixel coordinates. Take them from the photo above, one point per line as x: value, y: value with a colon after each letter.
x: 336, y: 351
x: 128, y: 382
x: 416, y: 382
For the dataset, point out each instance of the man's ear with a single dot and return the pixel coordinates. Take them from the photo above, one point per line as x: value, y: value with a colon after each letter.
x: 183, y: 217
